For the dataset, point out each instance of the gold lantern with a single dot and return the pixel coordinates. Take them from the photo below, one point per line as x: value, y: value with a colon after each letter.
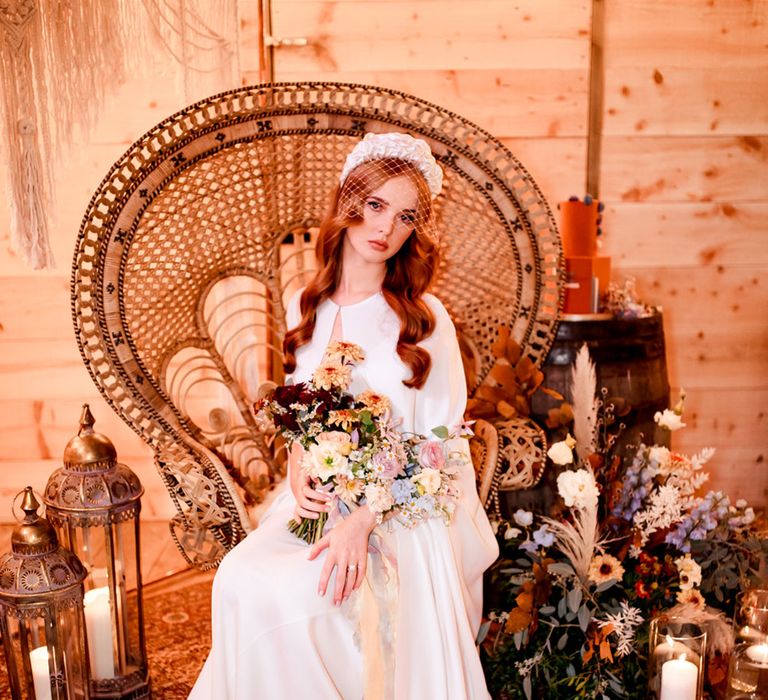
x: 94, y: 503
x: 41, y: 612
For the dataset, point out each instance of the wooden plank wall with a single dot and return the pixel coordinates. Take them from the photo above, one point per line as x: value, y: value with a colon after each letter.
x: 683, y: 174
x: 684, y: 178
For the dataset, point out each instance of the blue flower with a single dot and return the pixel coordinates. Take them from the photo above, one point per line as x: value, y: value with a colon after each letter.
x: 402, y: 491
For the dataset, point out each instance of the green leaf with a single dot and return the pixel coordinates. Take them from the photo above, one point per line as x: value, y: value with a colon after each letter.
x: 574, y: 599
x: 605, y: 585
x: 441, y: 431
x: 483, y: 632
x: 562, y: 569
x: 584, y: 617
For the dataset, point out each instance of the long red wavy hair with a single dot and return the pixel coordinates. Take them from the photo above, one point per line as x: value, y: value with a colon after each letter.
x: 408, y: 275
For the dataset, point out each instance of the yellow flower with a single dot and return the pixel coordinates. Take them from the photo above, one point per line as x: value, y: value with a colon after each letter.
x: 377, y: 404
x: 332, y: 375
x: 340, y: 350
x: 603, y: 568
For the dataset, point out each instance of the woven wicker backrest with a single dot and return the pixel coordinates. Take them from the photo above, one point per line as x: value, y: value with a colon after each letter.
x: 202, y: 230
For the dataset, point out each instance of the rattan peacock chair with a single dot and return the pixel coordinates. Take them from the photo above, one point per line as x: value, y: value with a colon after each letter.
x: 198, y: 235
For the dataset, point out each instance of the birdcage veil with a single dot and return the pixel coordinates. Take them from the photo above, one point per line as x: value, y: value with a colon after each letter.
x: 378, y: 158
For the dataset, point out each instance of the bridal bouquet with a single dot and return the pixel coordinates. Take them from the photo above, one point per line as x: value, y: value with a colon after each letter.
x: 355, y: 451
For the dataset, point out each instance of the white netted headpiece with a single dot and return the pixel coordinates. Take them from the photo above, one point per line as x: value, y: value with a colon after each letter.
x: 396, y: 145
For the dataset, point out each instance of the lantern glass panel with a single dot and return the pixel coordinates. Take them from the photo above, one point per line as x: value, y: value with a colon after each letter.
x: 41, y: 648
x: 113, y: 615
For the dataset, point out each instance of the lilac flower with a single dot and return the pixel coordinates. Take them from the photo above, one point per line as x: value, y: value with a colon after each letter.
x: 523, y: 517
x: 541, y: 538
x: 703, y: 518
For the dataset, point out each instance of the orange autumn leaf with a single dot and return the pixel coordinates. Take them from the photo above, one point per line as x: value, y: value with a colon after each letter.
x: 512, y: 351
x: 525, y: 600
x: 481, y: 409
x: 505, y: 377
x: 551, y: 392
x: 517, y: 621
x: 490, y: 393
x: 505, y: 410
x: 499, y: 345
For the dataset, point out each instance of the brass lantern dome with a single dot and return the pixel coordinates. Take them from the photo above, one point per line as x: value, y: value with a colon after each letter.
x: 36, y: 564
x: 91, y: 478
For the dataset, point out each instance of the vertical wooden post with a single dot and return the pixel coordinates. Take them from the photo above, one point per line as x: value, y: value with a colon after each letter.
x: 266, y: 47
x: 596, y: 88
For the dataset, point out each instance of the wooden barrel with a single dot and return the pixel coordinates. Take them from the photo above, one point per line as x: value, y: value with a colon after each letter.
x: 630, y: 361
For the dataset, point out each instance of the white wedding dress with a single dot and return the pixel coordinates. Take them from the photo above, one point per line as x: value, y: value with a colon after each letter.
x: 275, y: 638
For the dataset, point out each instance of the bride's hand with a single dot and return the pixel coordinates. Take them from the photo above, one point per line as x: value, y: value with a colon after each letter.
x: 347, y: 545
x: 309, y: 502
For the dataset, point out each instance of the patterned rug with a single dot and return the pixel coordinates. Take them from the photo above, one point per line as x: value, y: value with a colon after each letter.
x: 177, y: 616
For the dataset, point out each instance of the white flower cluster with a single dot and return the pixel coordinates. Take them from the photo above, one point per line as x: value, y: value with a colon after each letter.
x: 665, y: 509
x: 578, y: 489
x: 624, y: 622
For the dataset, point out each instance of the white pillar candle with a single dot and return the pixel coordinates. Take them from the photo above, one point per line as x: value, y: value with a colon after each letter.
x: 758, y: 653
x: 38, y: 659
x: 98, y: 626
x: 679, y: 680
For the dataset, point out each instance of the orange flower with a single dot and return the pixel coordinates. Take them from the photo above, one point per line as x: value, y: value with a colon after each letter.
x: 692, y: 597
x: 332, y: 375
x: 344, y: 418
x: 341, y: 350
x: 377, y: 404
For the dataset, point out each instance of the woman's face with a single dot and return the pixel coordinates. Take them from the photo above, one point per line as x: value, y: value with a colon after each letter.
x: 389, y: 213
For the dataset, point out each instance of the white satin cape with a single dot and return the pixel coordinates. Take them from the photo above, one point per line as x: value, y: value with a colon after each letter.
x: 275, y: 638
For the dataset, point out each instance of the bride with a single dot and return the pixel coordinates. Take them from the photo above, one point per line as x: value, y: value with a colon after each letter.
x: 373, y: 611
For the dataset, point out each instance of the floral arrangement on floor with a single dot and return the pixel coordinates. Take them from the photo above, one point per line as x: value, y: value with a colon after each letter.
x: 631, y: 538
x: 355, y: 451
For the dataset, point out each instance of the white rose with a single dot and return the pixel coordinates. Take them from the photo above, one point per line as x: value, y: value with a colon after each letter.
x: 378, y: 498
x: 561, y: 453
x: 669, y: 419
x: 749, y: 516
x: 428, y: 479
x: 578, y: 489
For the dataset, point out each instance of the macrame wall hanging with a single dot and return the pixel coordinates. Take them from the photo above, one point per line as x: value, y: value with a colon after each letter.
x: 202, y: 36
x: 57, y: 62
